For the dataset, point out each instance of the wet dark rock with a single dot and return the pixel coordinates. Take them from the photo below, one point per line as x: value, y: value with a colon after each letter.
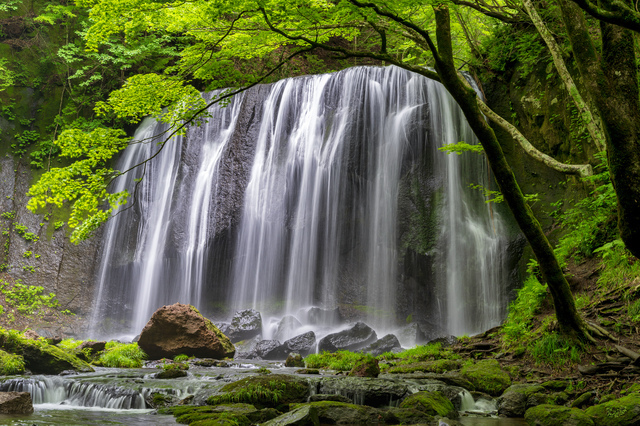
x: 245, y: 325
x: 16, y: 403
x: 308, y: 371
x: 357, y: 337
x: 411, y: 335
x: 180, y: 329
x: 445, y: 341
x: 245, y: 349
x: 334, y: 412
x: 329, y: 397
x: 268, y: 349
x: 300, y: 416
x: 302, y: 344
x: 388, y: 343
x: 372, y: 392
x: 286, y: 327
x: 171, y: 373
x: 294, y: 360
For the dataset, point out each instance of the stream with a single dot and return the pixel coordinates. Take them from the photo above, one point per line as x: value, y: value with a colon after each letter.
x: 111, y: 396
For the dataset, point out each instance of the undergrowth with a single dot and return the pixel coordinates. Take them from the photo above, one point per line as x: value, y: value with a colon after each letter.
x: 122, y: 355
x: 11, y: 364
x: 340, y: 361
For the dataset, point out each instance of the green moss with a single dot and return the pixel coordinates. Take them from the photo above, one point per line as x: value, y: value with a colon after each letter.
x: 333, y: 412
x: 366, y: 367
x: 227, y: 346
x: 340, y: 360
x: 39, y: 356
x: 439, y: 366
x: 619, y: 412
x: 271, y: 390
x: 487, y: 376
x: 553, y: 415
x: 11, y: 364
x: 431, y: 403
x: 240, y: 413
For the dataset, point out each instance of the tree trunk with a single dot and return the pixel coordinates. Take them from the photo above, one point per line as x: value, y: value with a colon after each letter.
x: 568, y: 319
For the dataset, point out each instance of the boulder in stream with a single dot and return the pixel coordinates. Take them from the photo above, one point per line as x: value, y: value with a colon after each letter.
x: 352, y: 339
x: 15, y: 403
x: 244, y: 325
x: 388, y: 343
x: 180, y: 329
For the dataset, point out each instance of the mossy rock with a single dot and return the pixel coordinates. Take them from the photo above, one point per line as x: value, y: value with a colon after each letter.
x: 514, y: 400
x: 554, y: 415
x: 555, y: 385
x: 11, y: 364
x: 439, y: 366
x: 366, y: 367
x: 241, y: 413
x: 332, y: 412
x: 41, y: 357
x: 408, y: 416
x: 619, y: 412
x: 272, y: 390
x: 634, y: 388
x: 305, y: 415
x: 431, y: 403
x: 487, y: 376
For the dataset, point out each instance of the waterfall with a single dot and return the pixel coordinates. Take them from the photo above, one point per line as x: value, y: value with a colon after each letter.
x: 313, y: 191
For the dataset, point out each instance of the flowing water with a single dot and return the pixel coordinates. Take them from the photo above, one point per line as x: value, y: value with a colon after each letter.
x: 292, y: 196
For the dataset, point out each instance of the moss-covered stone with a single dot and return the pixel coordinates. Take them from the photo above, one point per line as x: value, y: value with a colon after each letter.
x: 294, y: 360
x: 514, y: 400
x: 40, y: 357
x: 305, y: 415
x: 408, y: 416
x: 271, y: 390
x: 366, y: 367
x: 222, y: 414
x: 439, y: 366
x: 619, y: 412
x: 332, y: 412
x: 487, y: 376
x: 431, y: 403
x: 554, y: 415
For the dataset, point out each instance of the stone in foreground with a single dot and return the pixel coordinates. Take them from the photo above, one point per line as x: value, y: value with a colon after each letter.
x: 180, y: 329
x: 551, y: 415
x: 15, y: 403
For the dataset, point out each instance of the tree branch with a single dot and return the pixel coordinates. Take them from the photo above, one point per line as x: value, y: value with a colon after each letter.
x: 621, y: 15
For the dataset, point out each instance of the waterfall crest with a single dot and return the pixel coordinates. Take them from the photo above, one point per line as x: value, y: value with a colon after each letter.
x: 322, y: 191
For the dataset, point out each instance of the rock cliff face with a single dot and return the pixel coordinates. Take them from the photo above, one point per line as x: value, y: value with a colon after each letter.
x: 36, y: 253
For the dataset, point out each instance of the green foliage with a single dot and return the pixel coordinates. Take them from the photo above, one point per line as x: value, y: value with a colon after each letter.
x: 591, y: 223
x: 633, y: 311
x: 122, y: 355
x: 262, y: 391
x: 340, y: 360
x: 69, y: 344
x: 431, y: 351
x: 27, y: 300
x: 555, y: 350
x: 84, y: 183
x: 6, y: 76
x: 23, y: 231
x: 181, y: 358
x: 11, y: 364
x: 9, y: 215
x: 522, y: 310
x: 619, y: 265
x: 461, y: 147
x: 23, y: 140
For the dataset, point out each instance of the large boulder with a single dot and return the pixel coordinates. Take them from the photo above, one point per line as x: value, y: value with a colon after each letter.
x: 245, y: 325
x: 15, y: 403
x: 41, y: 357
x: 180, y: 329
x: 352, y: 339
x: 513, y: 402
x: 268, y: 349
x: 302, y: 344
x: 388, y: 343
x: 487, y: 376
x: 431, y: 403
x: 370, y: 391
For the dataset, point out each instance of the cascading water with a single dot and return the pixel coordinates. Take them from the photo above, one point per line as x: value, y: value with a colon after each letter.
x: 290, y: 197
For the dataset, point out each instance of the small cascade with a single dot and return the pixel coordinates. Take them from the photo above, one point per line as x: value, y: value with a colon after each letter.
x: 323, y: 191
x: 56, y: 390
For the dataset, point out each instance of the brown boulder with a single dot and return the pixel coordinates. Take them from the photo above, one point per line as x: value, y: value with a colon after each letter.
x: 180, y: 329
x: 15, y: 403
